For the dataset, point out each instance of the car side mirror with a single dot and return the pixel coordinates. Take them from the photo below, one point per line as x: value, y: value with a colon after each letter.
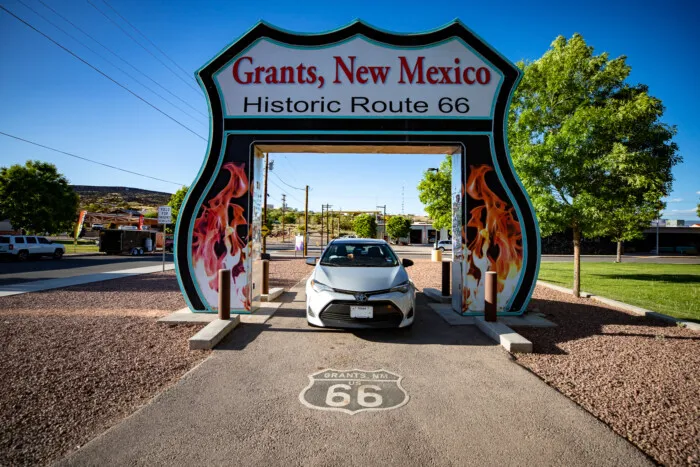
x: 406, y: 262
x: 311, y: 261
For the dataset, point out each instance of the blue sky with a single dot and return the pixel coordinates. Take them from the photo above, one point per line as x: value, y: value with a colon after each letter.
x: 50, y: 97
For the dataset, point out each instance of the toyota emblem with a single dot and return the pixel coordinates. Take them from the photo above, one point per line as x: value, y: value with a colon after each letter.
x: 360, y: 297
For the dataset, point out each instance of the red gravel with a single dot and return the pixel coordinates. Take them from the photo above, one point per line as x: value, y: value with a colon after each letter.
x: 639, y: 375
x: 75, y: 361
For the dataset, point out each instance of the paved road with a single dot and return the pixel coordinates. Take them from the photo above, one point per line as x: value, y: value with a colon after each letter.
x: 469, y: 405
x: 12, y: 272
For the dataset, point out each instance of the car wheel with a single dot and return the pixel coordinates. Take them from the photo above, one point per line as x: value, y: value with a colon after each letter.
x: 23, y: 255
x: 134, y: 251
x: 58, y: 254
x: 442, y: 248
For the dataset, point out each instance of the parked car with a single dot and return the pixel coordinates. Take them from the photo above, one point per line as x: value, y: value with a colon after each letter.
x: 443, y: 245
x: 360, y: 283
x: 22, y: 247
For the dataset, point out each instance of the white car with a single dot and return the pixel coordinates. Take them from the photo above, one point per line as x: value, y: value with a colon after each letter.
x: 23, y: 246
x: 443, y: 245
x: 360, y: 283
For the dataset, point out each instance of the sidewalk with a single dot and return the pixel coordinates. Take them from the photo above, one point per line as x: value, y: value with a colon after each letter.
x: 39, y: 285
x: 469, y: 405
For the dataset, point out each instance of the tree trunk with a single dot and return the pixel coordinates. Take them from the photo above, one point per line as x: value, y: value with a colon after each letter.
x: 619, y: 252
x: 577, y: 262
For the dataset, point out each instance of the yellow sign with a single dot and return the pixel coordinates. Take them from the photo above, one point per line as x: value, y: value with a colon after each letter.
x: 265, y: 231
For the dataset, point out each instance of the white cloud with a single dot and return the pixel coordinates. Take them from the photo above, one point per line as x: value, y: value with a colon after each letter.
x: 697, y: 192
x: 683, y: 211
x: 675, y: 200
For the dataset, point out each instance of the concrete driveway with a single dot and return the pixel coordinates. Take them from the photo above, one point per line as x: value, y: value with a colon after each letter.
x: 470, y: 404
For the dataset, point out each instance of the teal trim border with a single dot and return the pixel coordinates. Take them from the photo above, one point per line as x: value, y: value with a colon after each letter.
x: 524, y: 191
x: 176, y: 238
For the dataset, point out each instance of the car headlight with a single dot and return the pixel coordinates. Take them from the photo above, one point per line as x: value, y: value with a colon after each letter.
x: 320, y: 287
x: 402, y: 287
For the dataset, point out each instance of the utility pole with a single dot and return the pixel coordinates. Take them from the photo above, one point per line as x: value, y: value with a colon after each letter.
x: 306, y: 222
x: 284, y: 206
x: 264, y: 217
x: 325, y: 207
x: 384, y: 220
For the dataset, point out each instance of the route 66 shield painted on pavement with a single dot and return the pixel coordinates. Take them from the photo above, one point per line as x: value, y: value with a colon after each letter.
x: 354, y: 391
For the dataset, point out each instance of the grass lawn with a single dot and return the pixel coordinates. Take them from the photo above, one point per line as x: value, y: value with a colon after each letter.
x: 79, y: 248
x: 671, y: 289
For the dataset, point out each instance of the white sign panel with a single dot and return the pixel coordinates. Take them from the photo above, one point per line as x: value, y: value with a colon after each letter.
x: 359, y: 78
x: 164, y: 214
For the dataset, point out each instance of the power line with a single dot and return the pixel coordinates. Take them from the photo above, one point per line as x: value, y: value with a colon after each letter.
x: 290, y: 186
x: 122, y: 59
x: 149, y: 41
x: 104, y: 58
x: 144, y: 48
x: 103, y: 74
x: 288, y: 194
x: 86, y: 159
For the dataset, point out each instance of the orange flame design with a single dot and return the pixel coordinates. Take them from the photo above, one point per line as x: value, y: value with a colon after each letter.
x: 216, y: 243
x: 497, y: 245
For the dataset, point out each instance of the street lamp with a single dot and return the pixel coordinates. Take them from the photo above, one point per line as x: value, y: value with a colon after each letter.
x: 383, y: 219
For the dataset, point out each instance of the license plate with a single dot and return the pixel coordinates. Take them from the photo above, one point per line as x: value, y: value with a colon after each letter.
x: 361, y: 312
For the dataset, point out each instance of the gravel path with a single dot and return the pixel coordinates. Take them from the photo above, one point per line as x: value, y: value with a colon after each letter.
x: 639, y: 375
x: 75, y: 361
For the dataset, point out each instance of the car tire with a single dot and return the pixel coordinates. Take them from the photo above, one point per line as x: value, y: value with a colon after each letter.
x: 58, y: 254
x: 22, y: 255
x: 134, y: 251
x: 442, y: 248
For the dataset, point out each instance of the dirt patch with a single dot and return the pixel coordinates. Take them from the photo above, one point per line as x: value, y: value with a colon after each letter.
x: 75, y: 361
x: 639, y: 375
x: 286, y: 272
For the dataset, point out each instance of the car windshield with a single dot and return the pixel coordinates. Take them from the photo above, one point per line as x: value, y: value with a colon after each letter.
x: 365, y: 255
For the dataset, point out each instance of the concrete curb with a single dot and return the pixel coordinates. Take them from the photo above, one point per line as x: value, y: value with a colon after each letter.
x: 48, y: 284
x: 212, y: 333
x: 436, y: 295
x: 273, y: 294
x: 627, y: 307
x: 509, y: 339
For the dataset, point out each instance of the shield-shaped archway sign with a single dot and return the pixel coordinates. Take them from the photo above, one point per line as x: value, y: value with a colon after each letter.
x: 358, y: 89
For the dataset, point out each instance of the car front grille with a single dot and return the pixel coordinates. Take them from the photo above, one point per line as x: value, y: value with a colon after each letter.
x: 337, y: 314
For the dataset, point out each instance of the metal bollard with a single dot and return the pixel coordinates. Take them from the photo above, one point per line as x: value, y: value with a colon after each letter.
x: 491, y: 296
x: 224, y: 294
x: 266, y: 277
x: 446, y: 278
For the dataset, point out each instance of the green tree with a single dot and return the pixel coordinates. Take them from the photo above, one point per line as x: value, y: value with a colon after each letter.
x: 398, y: 227
x: 585, y: 143
x: 434, y: 192
x: 365, y: 226
x: 176, y: 201
x: 35, y: 197
x: 698, y: 210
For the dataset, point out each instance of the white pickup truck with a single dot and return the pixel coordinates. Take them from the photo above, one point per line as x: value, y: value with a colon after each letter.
x: 23, y: 246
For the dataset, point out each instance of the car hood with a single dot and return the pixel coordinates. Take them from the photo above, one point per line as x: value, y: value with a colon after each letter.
x: 360, y: 279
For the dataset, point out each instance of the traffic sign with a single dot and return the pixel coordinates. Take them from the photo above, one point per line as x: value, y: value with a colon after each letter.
x: 165, y: 214
x: 264, y: 230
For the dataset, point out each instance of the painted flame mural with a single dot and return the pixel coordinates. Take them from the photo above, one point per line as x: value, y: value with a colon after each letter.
x: 216, y: 243
x: 495, y: 246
